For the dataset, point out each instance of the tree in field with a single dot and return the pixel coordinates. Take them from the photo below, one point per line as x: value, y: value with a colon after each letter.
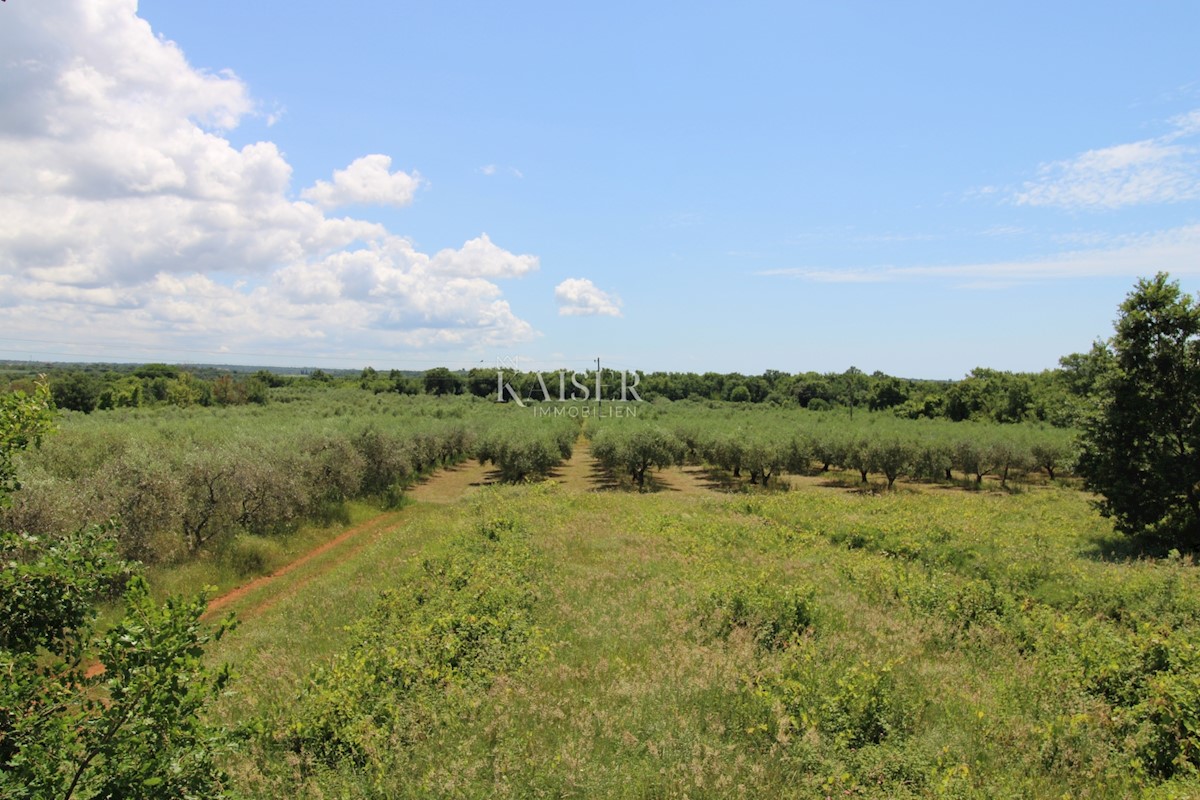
x: 892, y: 456
x: 440, y: 380
x: 740, y: 394
x: 78, y: 391
x: 1141, y: 449
x: 636, y: 452
x: 764, y: 457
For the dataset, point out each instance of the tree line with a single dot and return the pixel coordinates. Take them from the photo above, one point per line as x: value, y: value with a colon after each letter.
x: 1058, y: 397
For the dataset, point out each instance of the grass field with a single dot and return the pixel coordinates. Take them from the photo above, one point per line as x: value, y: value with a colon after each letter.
x: 549, y: 641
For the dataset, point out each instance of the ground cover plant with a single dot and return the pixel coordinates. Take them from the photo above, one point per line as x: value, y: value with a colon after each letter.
x: 945, y: 638
x: 805, y: 643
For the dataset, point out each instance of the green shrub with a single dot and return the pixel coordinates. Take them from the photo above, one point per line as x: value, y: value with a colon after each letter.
x: 252, y: 555
x: 774, y: 615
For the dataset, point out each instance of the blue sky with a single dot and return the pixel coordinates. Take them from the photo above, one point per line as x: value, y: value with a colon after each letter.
x: 914, y: 188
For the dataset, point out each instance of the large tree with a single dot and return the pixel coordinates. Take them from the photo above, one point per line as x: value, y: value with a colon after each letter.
x: 441, y: 380
x: 1141, y: 448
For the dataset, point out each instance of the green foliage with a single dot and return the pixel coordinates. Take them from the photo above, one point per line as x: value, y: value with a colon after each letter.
x: 633, y: 449
x: 66, y: 731
x: 1141, y: 452
x: 77, y: 391
x: 740, y: 394
x: 855, y: 704
x: 135, y: 728
x: 49, y: 587
x: 182, y: 481
x: 24, y: 420
x: 468, y: 620
x: 521, y: 451
x: 775, y: 616
x: 439, y: 381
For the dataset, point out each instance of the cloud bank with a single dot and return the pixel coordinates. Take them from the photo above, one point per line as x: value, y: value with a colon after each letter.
x: 127, y: 215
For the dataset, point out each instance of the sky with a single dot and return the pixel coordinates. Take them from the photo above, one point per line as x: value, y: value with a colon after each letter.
x: 918, y: 188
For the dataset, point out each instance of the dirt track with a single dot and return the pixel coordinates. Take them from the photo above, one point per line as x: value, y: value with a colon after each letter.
x: 578, y: 473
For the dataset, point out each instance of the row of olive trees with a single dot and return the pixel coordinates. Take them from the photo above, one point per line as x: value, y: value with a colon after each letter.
x: 975, y: 453
x: 764, y: 444
x: 761, y: 447
x: 522, y: 451
x: 175, y: 499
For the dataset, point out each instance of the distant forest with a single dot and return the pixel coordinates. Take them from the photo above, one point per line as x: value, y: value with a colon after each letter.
x: 1057, y: 397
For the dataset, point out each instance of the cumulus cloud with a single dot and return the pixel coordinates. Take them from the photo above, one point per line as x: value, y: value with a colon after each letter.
x: 126, y: 214
x: 481, y: 258
x: 367, y: 180
x: 579, y: 297
x: 1165, y: 169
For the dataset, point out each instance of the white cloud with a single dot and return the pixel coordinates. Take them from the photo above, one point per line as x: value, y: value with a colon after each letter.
x: 126, y: 215
x: 578, y: 297
x: 1176, y: 251
x: 1158, y: 170
x: 480, y: 258
x: 365, y: 181
x: 491, y: 170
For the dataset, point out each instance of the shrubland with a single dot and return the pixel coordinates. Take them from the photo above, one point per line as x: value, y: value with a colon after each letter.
x: 531, y: 640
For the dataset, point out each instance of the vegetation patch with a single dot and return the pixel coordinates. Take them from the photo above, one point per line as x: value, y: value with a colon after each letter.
x: 423, y: 657
x: 774, y: 615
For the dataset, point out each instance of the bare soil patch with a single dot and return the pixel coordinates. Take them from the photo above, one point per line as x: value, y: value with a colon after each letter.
x: 453, y: 483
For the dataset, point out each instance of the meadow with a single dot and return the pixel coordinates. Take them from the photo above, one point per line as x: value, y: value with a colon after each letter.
x: 537, y: 641
x: 693, y: 600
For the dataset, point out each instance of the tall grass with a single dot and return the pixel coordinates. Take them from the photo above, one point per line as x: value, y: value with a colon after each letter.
x: 805, y: 644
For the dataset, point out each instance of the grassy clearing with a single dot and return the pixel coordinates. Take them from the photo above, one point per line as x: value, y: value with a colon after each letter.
x: 803, y: 644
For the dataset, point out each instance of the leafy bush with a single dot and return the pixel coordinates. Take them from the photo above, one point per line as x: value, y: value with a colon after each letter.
x: 134, y: 729
x: 468, y: 620
x: 775, y: 616
x: 855, y: 703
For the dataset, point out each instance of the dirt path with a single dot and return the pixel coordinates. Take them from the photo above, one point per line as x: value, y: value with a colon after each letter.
x: 688, y: 480
x: 579, y: 473
x: 357, y: 532
x: 452, y: 483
